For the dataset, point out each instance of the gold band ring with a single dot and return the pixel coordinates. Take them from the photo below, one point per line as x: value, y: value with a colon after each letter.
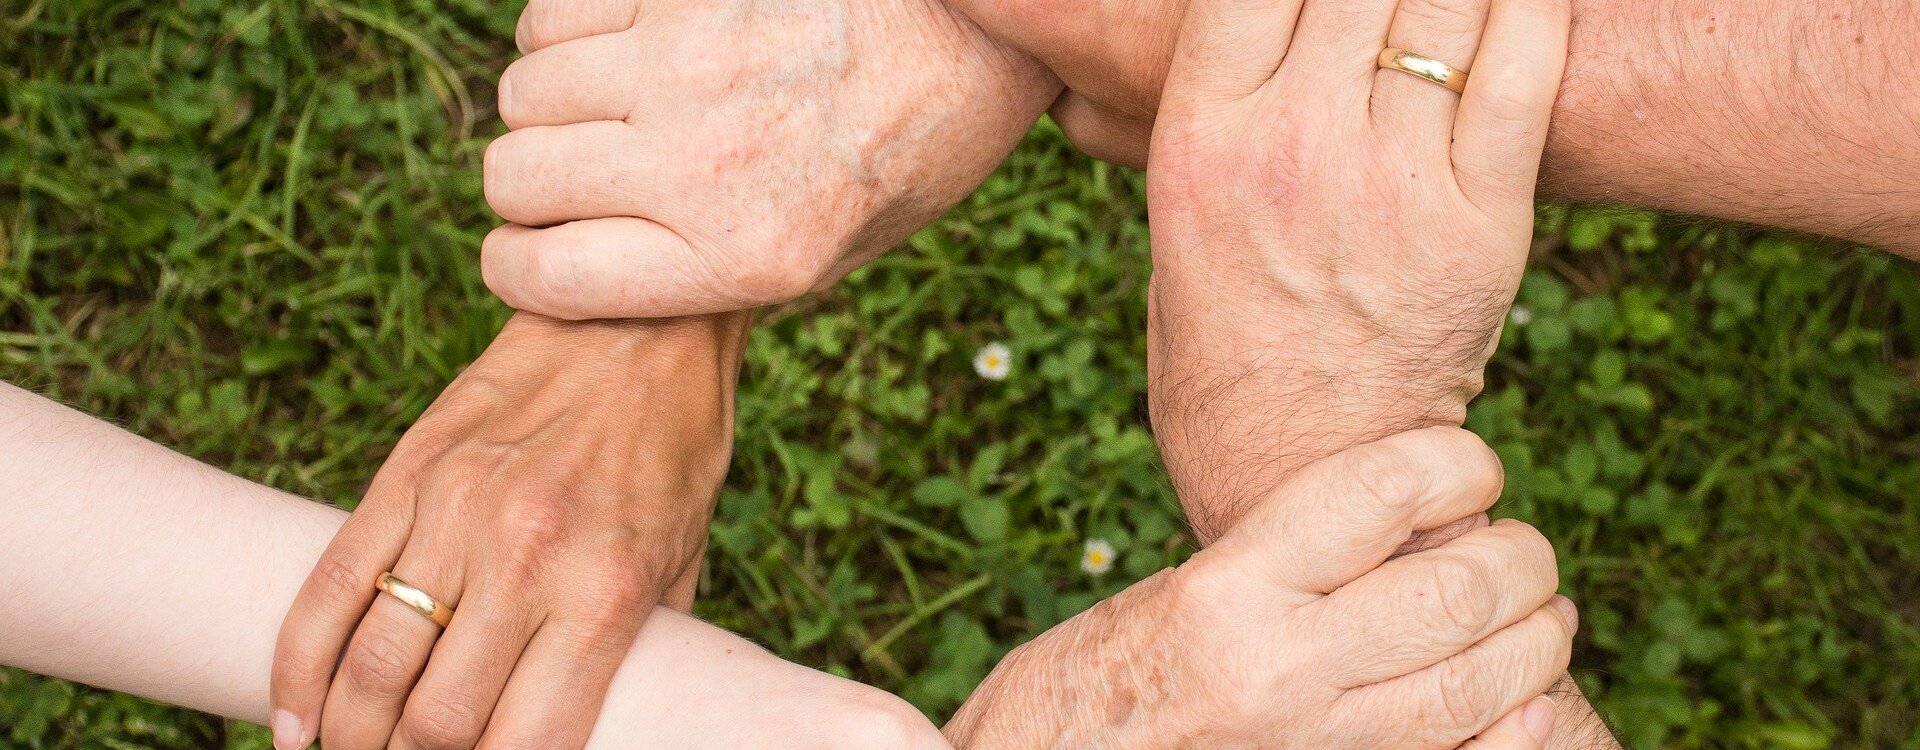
x: 1427, y: 68
x: 415, y: 599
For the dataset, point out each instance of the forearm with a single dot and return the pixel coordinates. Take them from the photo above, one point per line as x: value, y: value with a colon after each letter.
x: 1047, y: 694
x: 136, y: 569
x: 1775, y: 112
x: 1252, y: 422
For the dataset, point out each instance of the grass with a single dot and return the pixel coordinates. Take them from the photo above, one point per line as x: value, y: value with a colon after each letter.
x: 248, y: 230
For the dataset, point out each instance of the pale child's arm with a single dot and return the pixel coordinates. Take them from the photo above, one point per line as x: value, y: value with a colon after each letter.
x: 130, y: 567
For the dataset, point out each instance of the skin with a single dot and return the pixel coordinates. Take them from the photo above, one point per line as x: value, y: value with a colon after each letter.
x: 203, y: 564
x: 1372, y: 228
x: 1773, y: 112
x: 1768, y: 111
x: 784, y: 145
x: 1332, y: 645
x: 134, y: 568
x: 1330, y: 200
x: 468, y: 518
x: 531, y: 498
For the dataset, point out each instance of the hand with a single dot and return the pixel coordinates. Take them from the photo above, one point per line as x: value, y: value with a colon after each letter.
x: 681, y: 158
x: 551, y: 496
x: 1369, y: 227
x: 1112, y: 55
x: 1296, y: 631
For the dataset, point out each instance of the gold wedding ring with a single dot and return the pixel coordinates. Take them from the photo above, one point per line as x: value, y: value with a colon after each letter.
x: 417, y: 600
x: 1421, y: 66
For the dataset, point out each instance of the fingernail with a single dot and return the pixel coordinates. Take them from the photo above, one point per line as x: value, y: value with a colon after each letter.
x: 1538, y: 716
x: 1567, y: 610
x: 287, y: 732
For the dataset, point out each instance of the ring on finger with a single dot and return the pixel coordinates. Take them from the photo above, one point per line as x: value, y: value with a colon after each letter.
x: 1425, y: 68
x: 415, y: 599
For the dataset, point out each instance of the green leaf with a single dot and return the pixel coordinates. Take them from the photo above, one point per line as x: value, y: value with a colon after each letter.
x: 986, y: 518
x: 941, y: 492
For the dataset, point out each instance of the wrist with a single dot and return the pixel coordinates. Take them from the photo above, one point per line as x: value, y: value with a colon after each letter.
x: 1112, y: 699
x: 547, y: 343
x: 1237, y: 407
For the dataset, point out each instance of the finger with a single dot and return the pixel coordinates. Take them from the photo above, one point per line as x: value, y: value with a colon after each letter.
x: 541, y: 176
x: 1228, y: 49
x: 1418, y: 610
x: 1413, y: 113
x: 556, y: 85
x: 1345, y: 515
x: 1462, y: 696
x: 1501, y: 130
x: 385, y: 657
x: 1337, y: 48
x: 548, y: 22
x: 559, y: 685
x: 330, y: 604
x: 451, y: 705
x: 626, y: 268
x: 1524, y: 728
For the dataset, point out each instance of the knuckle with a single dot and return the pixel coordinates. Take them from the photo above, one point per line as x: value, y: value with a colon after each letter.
x: 338, y: 579
x: 778, y: 277
x: 557, y: 277
x: 1510, y: 101
x: 1202, y: 583
x: 1551, y: 645
x: 1460, y: 705
x: 622, y: 596
x: 433, y: 722
x: 1390, y: 476
x: 530, y: 522
x: 1463, y: 597
x: 1449, y: 17
x: 1480, y: 467
x: 1534, y: 550
x: 377, y: 661
x: 303, y: 664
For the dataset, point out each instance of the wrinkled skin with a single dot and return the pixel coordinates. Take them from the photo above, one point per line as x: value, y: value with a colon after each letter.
x: 552, y: 495
x: 1296, y: 631
x: 682, y: 158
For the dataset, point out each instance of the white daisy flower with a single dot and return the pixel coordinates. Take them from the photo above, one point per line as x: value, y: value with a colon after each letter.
x: 994, y: 361
x: 1521, y: 315
x: 1098, y: 557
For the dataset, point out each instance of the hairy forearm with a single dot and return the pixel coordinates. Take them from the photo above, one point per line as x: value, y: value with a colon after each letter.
x: 134, y: 568
x: 1783, y: 113
x: 1777, y: 112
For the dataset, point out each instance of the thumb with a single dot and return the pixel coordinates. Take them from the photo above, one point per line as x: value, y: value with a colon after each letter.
x: 1344, y: 515
x: 1228, y: 49
x: 1524, y: 728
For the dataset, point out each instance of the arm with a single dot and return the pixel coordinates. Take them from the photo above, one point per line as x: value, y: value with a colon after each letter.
x: 133, y: 568
x: 1295, y: 630
x: 1334, y: 249
x: 1777, y: 112
x: 552, y: 495
x: 1370, y: 229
